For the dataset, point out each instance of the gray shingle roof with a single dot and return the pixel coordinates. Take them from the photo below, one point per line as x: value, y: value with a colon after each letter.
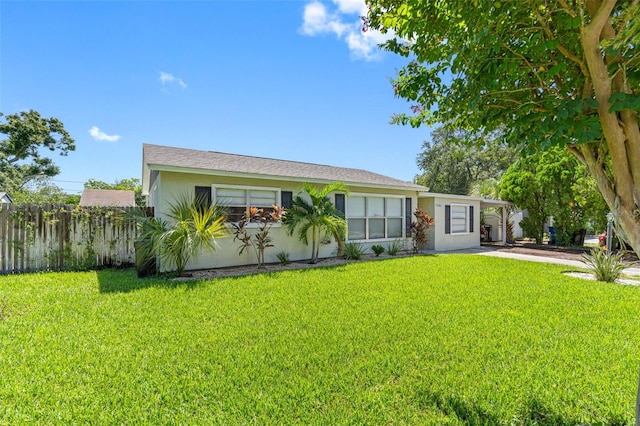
x: 108, y: 198
x: 158, y: 157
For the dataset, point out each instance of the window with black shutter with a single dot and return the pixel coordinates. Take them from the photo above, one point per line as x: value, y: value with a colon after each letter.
x: 471, y: 218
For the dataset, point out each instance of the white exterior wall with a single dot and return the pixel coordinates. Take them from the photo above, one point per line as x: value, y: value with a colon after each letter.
x: 443, y: 241
x: 170, y: 184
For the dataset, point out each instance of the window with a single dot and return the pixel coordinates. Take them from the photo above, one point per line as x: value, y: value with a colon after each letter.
x: 237, y: 200
x: 458, y: 219
x: 371, y: 217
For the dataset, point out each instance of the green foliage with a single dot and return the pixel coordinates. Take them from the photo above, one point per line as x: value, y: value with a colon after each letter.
x: 394, y: 247
x: 553, y: 183
x: 314, y: 213
x: 190, y: 230
x: 42, y: 191
x: 420, y: 228
x: 513, y: 64
x: 27, y: 133
x: 353, y: 251
x: 388, y: 342
x: 260, y: 239
x: 377, y: 250
x: 549, y: 74
x: 132, y: 184
x: 454, y: 160
x: 283, y: 257
x: 605, y: 266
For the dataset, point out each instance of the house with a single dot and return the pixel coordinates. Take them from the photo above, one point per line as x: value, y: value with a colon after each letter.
x: 107, y: 198
x: 4, y: 198
x: 379, y: 209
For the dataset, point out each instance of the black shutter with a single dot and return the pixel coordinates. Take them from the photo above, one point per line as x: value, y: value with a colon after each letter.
x: 447, y: 219
x: 340, y: 201
x: 471, y: 218
x: 286, y: 198
x: 203, y: 197
x: 408, y: 213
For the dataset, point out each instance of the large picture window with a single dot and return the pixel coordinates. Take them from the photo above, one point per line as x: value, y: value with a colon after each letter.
x: 237, y: 200
x: 374, y: 217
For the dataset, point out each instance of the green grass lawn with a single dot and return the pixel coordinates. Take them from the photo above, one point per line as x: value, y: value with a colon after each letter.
x: 449, y: 339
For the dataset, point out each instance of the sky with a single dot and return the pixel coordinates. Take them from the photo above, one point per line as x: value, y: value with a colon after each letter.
x: 295, y: 80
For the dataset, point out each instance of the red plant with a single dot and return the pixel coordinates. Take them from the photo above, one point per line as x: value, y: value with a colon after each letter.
x: 419, y: 229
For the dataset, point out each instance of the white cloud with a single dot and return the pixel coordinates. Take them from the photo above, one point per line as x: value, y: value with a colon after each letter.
x: 99, y: 135
x: 351, y: 6
x: 168, y: 78
x: 346, y: 24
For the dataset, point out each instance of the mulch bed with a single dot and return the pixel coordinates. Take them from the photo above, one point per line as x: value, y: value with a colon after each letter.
x: 557, y: 252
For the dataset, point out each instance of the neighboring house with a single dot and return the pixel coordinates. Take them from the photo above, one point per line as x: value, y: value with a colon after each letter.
x: 4, y: 198
x: 378, y: 210
x: 107, y: 198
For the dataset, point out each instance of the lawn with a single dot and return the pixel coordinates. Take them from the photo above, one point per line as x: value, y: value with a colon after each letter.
x: 448, y: 339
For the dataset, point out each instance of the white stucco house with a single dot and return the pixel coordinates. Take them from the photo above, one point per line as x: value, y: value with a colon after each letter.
x: 379, y: 209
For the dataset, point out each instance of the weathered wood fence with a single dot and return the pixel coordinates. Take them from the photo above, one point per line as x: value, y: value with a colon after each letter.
x: 61, y: 237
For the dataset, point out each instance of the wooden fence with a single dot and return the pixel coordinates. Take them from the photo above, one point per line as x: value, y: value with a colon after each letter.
x: 61, y: 237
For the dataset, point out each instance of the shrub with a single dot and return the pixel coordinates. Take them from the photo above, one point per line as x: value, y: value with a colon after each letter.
x: 378, y: 250
x: 259, y: 240
x: 353, y: 251
x: 283, y: 257
x: 394, y: 247
x: 419, y: 229
x: 605, y: 266
x: 191, y: 229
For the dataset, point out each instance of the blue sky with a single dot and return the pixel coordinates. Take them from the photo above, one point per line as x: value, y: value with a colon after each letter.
x: 295, y: 80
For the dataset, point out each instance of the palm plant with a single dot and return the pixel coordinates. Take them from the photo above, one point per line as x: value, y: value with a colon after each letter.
x: 190, y: 229
x: 315, y: 215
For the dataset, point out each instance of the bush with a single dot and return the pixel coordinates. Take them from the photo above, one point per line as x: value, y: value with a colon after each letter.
x: 378, y: 250
x: 394, y: 247
x: 283, y: 257
x: 420, y: 228
x: 605, y: 266
x: 353, y: 251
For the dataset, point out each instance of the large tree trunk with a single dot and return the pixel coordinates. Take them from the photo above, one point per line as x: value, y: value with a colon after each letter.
x: 619, y: 181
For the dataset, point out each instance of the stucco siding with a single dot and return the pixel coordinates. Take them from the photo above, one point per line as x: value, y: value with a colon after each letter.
x: 451, y: 241
x: 169, y: 185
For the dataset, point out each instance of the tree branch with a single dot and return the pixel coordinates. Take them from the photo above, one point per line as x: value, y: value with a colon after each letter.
x: 568, y: 54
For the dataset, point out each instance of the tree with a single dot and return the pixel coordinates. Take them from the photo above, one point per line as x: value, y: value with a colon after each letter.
x: 42, y: 191
x: 454, y: 160
x: 132, y: 184
x: 27, y: 133
x: 315, y: 214
x: 553, y: 184
x: 563, y: 73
